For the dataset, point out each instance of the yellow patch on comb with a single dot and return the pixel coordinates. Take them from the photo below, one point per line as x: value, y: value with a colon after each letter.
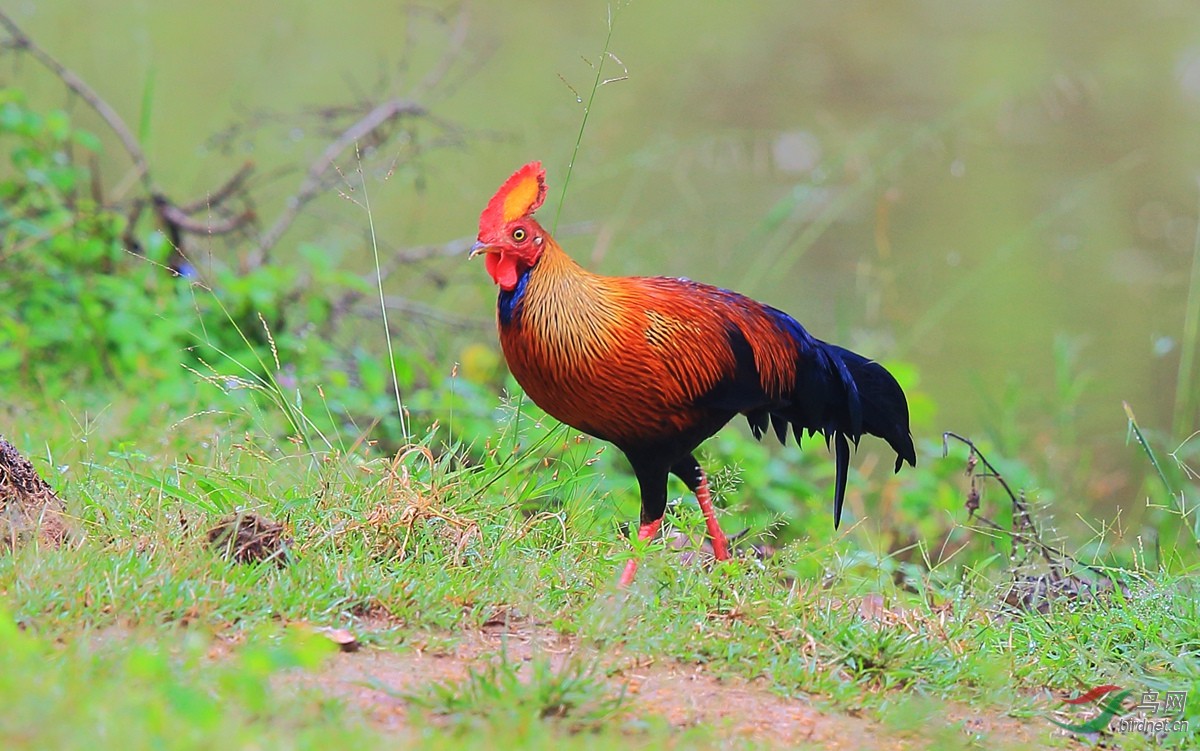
x: 520, y: 195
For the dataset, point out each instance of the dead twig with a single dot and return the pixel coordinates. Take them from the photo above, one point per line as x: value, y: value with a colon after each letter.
x: 175, y: 216
x: 233, y: 186
x: 1029, y: 591
x: 1030, y: 538
x: 314, y: 181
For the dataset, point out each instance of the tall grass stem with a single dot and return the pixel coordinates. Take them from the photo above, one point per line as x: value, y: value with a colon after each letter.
x: 587, y: 110
x: 1185, y: 389
x: 387, y: 336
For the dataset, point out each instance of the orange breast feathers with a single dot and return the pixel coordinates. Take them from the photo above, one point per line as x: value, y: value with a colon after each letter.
x: 627, y: 359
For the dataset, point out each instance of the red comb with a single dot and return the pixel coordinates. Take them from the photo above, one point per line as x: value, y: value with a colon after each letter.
x: 519, y: 196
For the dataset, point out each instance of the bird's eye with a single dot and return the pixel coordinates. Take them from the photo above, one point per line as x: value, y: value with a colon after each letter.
x: 518, y: 234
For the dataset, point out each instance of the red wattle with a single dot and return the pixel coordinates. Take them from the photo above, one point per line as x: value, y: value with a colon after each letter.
x: 503, y: 269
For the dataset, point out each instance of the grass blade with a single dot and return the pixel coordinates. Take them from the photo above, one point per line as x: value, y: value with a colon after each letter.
x: 587, y: 110
x: 382, y: 303
x: 1185, y: 392
x: 1177, y: 501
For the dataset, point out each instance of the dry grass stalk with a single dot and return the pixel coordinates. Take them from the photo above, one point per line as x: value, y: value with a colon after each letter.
x: 409, y: 505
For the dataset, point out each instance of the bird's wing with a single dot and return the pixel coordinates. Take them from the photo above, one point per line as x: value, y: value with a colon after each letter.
x: 717, y: 348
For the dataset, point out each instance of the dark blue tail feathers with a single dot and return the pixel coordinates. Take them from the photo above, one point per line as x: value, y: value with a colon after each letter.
x: 871, y: 402
x: 843, y: 396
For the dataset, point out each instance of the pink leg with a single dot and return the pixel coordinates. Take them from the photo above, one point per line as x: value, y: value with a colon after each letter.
x: 645, y: 532
x: 719, y: 543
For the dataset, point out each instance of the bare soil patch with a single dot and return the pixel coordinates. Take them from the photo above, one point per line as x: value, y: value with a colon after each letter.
x: 375, y: 682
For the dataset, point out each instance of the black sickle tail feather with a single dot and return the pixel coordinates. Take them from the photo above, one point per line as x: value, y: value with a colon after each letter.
x: 883, y: 412
x: 842, y: 456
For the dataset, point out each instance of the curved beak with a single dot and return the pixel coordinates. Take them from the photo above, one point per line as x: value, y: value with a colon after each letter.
x: 477, y: 248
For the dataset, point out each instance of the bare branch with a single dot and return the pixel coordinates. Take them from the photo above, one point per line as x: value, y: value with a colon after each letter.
x: 21, y: 41
x: 313, y: 181
x: 220, y: 195
x: 176, y: 216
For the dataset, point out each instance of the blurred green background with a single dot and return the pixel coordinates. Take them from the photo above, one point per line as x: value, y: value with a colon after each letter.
x: 1002, y: 194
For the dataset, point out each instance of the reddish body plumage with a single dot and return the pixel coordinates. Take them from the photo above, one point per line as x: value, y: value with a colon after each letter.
x: 623, y: 358
x: 656, y: 365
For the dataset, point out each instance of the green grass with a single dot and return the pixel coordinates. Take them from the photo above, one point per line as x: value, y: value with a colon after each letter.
x: 114, y: 631
x: 499, y: 694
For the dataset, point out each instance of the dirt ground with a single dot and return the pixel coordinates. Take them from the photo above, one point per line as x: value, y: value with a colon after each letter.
x: 374, y: 682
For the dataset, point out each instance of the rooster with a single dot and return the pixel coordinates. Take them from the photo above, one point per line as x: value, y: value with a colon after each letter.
x: 657, y: 365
